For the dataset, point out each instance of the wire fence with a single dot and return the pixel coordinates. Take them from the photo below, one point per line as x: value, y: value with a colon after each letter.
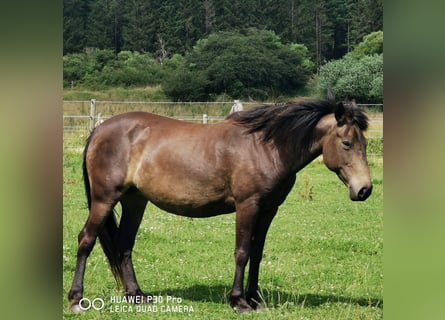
x: 80, y: 117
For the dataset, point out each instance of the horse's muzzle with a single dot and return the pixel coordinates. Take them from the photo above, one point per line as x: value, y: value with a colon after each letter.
x: 361, y: 194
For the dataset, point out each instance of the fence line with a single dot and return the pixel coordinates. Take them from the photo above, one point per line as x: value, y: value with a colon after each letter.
x: 193, y: 102
x: 76, y: 127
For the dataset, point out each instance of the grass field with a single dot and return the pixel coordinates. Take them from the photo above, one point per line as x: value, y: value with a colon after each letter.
x: 322, y: 259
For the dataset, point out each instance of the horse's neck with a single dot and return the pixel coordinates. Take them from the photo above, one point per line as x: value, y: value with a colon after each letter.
x: 302, y: 155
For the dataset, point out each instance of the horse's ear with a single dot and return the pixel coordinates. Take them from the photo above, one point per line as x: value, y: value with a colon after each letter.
x: 340, y: 113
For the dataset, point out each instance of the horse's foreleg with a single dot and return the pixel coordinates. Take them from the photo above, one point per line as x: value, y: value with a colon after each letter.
x: 86, y: 240
x: 256, y: 254
x: 245, y: 218
x: 133, y: 207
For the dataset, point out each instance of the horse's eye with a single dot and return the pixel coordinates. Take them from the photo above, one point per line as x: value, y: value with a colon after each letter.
x: 346, y: 144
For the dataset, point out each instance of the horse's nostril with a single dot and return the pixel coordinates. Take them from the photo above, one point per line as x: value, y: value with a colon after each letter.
x: 364, y: 193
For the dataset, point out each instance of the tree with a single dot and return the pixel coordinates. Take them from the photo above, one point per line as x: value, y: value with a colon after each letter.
x: 99, y: 29
x: 209, y: 16
x: 137, y: 31
x: 75, y: 13
x: 366, y: 17
x: 329, y: 28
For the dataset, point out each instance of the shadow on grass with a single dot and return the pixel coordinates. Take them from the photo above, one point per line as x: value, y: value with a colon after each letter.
x: 273, y: 298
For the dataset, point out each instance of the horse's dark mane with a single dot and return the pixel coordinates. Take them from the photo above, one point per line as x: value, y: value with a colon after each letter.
x: 293, y: 120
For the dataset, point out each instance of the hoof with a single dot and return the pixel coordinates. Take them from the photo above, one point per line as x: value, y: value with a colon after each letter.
x: 76, y: 308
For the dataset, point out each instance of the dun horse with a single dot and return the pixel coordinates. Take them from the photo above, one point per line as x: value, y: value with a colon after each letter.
x: 245, y: 164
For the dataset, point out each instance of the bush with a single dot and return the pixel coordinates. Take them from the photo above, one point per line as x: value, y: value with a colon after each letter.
x: 250, y: 64
x: 186, y: 85
x: 75, y: 67
x: 99, y: 69
x: 354, y: 78
x: 371, y: 44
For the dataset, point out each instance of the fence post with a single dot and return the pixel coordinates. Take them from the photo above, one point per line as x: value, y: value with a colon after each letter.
x: 92, y: 113
x: 237, y: 106
x: 205, y: 118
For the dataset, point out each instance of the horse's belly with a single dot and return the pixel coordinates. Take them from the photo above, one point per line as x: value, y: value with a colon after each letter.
x: 203, y: 211
x: 188, y: 199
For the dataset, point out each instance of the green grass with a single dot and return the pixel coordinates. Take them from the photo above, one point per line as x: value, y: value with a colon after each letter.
x: 322, y: 259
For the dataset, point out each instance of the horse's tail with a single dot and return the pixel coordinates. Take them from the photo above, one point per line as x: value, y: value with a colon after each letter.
x: 109, y: 230
x: 86, y: 179
x: 107, y: 236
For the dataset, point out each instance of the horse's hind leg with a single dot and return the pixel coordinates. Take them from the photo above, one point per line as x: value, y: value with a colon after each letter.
x: 86, y: 240
x: 133, y: 206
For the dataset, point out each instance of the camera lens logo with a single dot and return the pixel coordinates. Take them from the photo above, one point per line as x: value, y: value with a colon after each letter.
x: 87, y: 304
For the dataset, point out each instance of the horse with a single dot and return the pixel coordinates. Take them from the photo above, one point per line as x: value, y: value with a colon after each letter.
x: 246, y: 164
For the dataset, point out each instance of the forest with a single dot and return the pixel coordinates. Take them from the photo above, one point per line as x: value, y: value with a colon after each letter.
x: 307, y: 35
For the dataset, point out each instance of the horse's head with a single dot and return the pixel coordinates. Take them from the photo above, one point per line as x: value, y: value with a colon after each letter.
x: 344, y: 150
